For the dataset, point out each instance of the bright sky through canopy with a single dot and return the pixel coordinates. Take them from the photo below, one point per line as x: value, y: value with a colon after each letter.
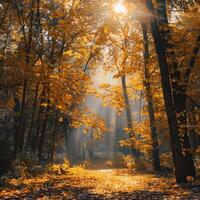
x: 120, y: 8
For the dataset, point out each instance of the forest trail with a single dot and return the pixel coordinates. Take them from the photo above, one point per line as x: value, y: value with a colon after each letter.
x: 84, y: 184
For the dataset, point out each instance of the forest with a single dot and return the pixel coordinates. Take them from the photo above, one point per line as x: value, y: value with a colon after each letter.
x: 100, y: 99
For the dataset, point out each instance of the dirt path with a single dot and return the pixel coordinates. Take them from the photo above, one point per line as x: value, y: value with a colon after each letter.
x: 97, y: 184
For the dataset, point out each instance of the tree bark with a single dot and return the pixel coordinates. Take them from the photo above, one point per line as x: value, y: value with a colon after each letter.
x: 168, y: 97
x: 195, y: 137
x: 16, y: 123
x: 20, y: 131
x: 54, y: 137
x: 41, y: 113
x: 43, y: 133
x: 178, y: 89
x: 154, y: 133
x: 140, y: 108
x: 134, y: 150
x: 30, y: 132
x: 127, y: 103
x: 28, y: 42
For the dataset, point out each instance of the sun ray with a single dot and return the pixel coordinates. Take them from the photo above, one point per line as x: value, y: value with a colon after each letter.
x: 120, y: 8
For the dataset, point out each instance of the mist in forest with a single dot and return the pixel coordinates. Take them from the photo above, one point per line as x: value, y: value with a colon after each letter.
x: 81, y: 146
x: 99, y: 99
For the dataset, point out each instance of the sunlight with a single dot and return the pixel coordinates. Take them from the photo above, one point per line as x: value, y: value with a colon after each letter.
x: 120, y: 8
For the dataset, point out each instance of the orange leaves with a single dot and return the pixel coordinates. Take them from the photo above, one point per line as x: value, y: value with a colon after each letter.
x: 127, y: 130
x: 112, y: 96
x: 68, y: 87
x: 105, y: 85
x: 90, y: 122
x: 73, y: 54
x: 109, y: 183
x: 44, y: 104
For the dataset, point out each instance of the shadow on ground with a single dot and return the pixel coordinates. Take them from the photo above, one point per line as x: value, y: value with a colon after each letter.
x: 85, y: 194
x: 80, y: 186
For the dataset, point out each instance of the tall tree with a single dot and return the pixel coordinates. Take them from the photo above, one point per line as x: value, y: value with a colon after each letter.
x: 147, y: 84
x: 179, y: 88
x: 168, y: 96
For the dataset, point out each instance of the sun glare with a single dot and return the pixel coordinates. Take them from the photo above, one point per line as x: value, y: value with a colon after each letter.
x: 120, y: 8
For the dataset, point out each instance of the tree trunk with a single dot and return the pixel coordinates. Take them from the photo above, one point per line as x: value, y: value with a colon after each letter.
x: 195, y: 137
x: 127, y: 104
x: 16, y: 123
x: 154, y: 133
x: 43, y: 128
x: 35, y: 137
x: 90, y: 144
x: 168, y: 97
x: 24, y: 103
x: 134, y: 151
x: 140, y: 108
x: 33, y: 115
x: 20, y: 131
x: 43, y: 134
x: 54, y: 137
x: 68, y: 139
x: 178, y: 90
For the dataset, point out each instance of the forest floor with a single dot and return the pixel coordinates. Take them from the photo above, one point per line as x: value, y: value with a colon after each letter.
x: 83, y: 184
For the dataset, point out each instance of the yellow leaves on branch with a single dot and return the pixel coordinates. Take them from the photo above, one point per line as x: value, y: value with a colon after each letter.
x: 68, y: 87
x: 73, y: 54
x: 127, y: 130
x: 91, y: 122
x: 44, y: 104
x: 105, y: 85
